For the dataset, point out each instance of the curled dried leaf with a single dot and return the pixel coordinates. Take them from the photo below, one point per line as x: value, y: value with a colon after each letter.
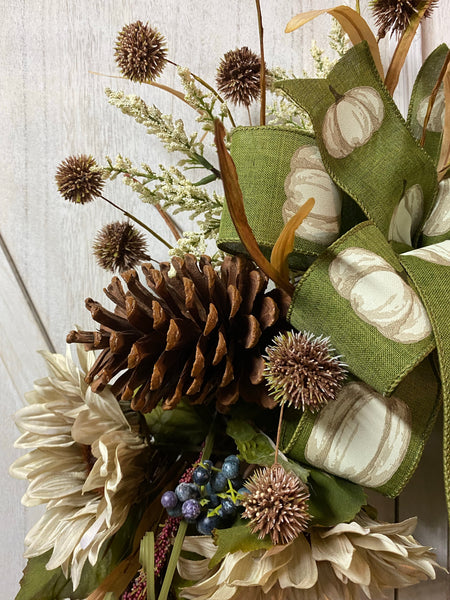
x: 285, y: 242
x: 402, y: 49
x: 354, y: 25
x: 235, y: 202
x: 444, y: 159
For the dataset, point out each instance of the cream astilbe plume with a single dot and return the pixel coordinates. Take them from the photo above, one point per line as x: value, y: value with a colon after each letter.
x: 85, y: 464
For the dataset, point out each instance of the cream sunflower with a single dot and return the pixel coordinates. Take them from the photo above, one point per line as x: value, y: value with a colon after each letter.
x: 335, y: 563
x: 86, y: 464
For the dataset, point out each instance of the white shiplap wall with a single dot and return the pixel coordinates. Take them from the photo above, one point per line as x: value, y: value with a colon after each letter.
x: 50, y: 107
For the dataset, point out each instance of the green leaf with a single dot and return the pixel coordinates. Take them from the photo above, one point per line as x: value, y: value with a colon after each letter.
x: 38, y: 583
x: 333, y: 500
x: 183, y: 424
x: 238, y: 537
x: 256, y: 448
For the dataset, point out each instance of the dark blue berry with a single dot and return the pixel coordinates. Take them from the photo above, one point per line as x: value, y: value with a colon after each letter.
x: 200, y: 476
x: 206, y: 524
x: 186, y: 491
x: 214, y: 500
x: 236, y: 483
x: 232, y: 458
x: 191, y: 510
x: 169, y: 500
x: 228, y: 506
x: 230, y: 469
x: 207, y: 464
x: 176, y: 511
x: 220, y: 482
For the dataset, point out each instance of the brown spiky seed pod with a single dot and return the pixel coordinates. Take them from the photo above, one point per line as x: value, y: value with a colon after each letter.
x: 77, y: 180
x: 301, y: 370
x: 394, y: 16
x: 238, y: 76
x: 199, y: 334
x: 141, y: 52
x: 277, y: 504
x: 119, y: 246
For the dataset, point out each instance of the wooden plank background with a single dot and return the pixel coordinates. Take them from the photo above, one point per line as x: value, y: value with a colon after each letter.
x: 52, y: 106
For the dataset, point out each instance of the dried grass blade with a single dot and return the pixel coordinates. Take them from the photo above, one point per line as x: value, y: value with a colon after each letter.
x: 235, y: 204
x: 354, y: 25
x: 119, y: 578
x: 285, y: 243
x: 402, y: 49
x: 444, y: 158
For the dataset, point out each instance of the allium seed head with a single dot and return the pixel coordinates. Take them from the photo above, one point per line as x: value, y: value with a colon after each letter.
x: 394, y: 16
x: 119, y: 247
x: 77, y: 180
x: 141, y: 52
x: 301, y: 370
x: 277, y: 504
x: 238, y: 76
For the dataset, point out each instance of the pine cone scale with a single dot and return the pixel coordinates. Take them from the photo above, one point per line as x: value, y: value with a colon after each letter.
x: 199, y: 334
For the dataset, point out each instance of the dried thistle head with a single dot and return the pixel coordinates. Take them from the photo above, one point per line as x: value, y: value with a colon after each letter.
x: 277, y: 504
x: 301, y: 370
x: 394, y: 16
x: 119, y: 246
x: 238, y: 76
x: 77, y: 179
x: 141, y: 52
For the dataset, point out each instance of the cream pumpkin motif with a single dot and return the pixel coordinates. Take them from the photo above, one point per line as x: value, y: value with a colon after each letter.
x: 436, y: 253
x: 309, y: 179
x: 436, y: 120
x: 407, y: 216
x: 379, y: 296
x: 438, y: 222
x: 351, y: 121
x: 362, y: 436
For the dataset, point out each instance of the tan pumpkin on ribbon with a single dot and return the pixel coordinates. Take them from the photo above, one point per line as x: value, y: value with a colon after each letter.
x: 362, y: 436
x: 436, y: 120
x: 438, y: 222
x: 309, y: 179
x: 436, y: 253
x: 379, y: 296
x: 352, y: 120
x: 407, y: 216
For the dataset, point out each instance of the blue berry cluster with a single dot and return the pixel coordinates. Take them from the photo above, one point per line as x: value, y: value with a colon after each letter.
x: 211, y: 501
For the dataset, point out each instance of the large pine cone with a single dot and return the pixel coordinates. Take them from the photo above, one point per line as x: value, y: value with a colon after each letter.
x: 200, y: 334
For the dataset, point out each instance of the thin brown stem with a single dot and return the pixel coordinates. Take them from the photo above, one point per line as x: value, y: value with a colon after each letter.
x: 249, y: 116
x: 139, y: 222
x: 208, y: 87
x: 277, y: 443
x: 169, y: 222
x: 262, y: 76
x: 433, y: 97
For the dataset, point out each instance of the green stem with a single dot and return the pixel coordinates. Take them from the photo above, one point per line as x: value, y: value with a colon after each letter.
x: 170, y: 571
x: 209, y: 440
x: 358, y: 8
x: 207, y: 179
x: 139, y: 222
x: 205, y: 163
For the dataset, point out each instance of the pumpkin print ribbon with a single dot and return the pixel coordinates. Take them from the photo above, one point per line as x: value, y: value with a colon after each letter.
x: 376, y: 256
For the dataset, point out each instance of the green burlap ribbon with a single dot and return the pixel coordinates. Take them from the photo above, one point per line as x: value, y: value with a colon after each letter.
x: 379, y: 275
